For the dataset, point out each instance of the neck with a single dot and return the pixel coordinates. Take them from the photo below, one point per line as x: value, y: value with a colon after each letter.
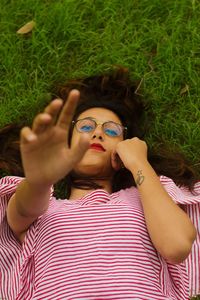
x: 77, y: 193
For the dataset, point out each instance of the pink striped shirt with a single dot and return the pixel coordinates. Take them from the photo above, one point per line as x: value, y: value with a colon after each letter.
x: 94, y: 248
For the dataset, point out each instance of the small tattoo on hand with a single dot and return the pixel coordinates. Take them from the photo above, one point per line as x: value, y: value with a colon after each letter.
x: 140, y: 178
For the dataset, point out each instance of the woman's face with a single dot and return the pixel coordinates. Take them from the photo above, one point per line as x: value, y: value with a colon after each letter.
x: 97, y: 160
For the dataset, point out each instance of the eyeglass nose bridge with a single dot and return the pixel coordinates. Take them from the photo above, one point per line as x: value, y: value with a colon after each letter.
x: 97, y: 124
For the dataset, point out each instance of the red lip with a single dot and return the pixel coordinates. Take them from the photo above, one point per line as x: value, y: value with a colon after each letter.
x: 98, y: 147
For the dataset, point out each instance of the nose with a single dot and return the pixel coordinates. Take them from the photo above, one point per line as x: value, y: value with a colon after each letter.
x: 98, y: 132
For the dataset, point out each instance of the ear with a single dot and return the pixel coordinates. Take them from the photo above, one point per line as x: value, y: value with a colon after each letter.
x: 116, y: 161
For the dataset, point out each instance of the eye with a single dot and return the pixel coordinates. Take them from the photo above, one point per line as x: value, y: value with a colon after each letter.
x: 111, y: 132
x: 112, y: 129
x: 85, y: 125
x: 86, y: 128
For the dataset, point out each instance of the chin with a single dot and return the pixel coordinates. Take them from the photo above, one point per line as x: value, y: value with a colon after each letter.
x: 88, y: 171
x: 94, y: 170
x: 93, y: 164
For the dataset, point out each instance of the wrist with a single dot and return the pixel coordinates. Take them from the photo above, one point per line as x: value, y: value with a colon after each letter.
x: 31, y: 199
x: 37, y: 185
x: 139, y: 165
x: 143, y: 171
x: 38, y: 188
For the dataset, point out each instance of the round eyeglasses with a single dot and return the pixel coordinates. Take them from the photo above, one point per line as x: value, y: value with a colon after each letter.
x: 110, y: 128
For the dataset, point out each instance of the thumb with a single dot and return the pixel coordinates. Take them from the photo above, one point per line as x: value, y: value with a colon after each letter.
x: 80, y: 148
x: 115, y: 161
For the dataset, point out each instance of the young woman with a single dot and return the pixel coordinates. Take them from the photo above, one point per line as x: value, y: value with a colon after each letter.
x: 123, y: 230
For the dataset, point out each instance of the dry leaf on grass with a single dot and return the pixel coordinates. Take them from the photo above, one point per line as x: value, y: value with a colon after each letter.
x: 184, y: 90
x: 28, y: 27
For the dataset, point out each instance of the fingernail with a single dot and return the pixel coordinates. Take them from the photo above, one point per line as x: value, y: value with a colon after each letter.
x: 31, y: 137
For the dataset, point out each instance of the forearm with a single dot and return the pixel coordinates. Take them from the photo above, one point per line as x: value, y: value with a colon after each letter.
x: 30, y: 200
x: 169, y: 227
x: 25, y: 206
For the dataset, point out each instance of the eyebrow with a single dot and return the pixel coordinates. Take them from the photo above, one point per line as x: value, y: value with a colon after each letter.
x: 102, y: 121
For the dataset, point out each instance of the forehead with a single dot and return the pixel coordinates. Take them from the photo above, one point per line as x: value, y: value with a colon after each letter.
x: 100, y: 114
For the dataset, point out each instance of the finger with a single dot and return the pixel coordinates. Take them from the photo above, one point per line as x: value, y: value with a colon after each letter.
x: 80, y: 149
x: 116, y: 161
x: 27, y: 135
x: 41, y: 123
x: 68, y: 110
x: 53, y: 109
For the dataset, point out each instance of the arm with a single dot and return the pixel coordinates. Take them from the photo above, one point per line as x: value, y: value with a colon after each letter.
x: 25, y: 206
x: 46, y: 159
x: 170, y: 229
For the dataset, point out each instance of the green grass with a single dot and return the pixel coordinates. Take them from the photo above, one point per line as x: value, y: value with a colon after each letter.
x: 157, y: 40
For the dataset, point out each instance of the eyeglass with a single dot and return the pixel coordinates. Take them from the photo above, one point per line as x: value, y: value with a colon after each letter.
x: 110, y: 128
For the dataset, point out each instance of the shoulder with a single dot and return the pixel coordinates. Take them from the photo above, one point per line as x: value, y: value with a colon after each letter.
x: 181, y: 194
x: 10, y: 179
x: 8, y: 187
x: 9, y: 183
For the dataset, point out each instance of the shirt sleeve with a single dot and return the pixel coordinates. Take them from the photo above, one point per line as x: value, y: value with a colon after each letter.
x: 181, y: 195
x: 190, y: 202
x: 8, y: 187
x: 9, y: 184
x: 16, y: 260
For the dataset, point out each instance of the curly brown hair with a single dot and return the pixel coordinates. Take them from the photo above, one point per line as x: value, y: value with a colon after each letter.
x: 117, y: 92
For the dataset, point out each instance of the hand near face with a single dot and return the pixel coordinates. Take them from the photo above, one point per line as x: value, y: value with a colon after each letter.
x: 46, y: 156
x: 130, y: 152
x: 116, y: 162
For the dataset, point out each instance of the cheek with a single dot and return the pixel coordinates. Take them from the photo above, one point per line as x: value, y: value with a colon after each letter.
x: 114, y: 142
x: 74, y: 138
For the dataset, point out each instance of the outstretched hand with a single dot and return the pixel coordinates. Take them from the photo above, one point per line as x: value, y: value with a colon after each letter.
x: 46, y: 155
